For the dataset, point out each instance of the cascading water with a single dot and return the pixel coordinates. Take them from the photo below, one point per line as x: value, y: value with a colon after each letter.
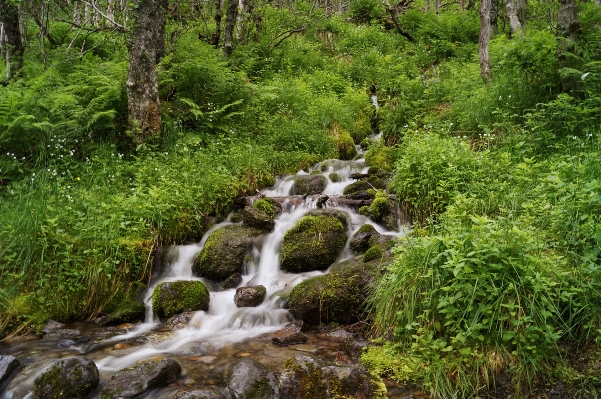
x: 224, y: 323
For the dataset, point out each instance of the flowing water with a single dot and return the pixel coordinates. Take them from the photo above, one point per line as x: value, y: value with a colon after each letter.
x: 211, y: 339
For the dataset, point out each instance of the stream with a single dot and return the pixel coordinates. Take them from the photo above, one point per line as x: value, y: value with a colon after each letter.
x: 208, y: 341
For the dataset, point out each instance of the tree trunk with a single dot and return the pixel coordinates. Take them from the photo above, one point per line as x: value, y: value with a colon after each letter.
x: 427, y: 5
x: 485, y: 69
x: 230, y: 26
x: 146, y: 46
x: 436, y: 6
x: 520, y: 8
x: 217, y: 34
x: 11, y: 45
x: 568, y: 25
x: 393, y: 15
x: 494, y: 18
x: 514, y: 21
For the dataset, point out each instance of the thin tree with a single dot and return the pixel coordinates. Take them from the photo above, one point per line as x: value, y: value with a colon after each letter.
x: 146, y: 46
x: 485, y: 68
x: 514, y: 21
x: 230, y: 25
x: 11, y: 43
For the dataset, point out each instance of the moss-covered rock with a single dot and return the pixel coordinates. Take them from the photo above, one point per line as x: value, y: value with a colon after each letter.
x: 360, y: 240
x: 344, y: 142
x: 310, y: 185
x: 179, y: 296
x: 248, y: 379
x: 373, y: 253
x: 74, y: 378
x: 257, y: 219
x: 236, y: 217
x: 379, y: 156
x: 341, y: 215
x: 269, y: 206
x: 136, y: 380
x: 224, y: 252
x: 335, y: 297
x: 335, y: 177
x: 128, y: 311
x: 250, y: 296
x: 379, y: 208
x: 313, y: 243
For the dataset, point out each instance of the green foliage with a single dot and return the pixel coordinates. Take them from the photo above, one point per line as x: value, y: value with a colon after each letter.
x: 365, y: 11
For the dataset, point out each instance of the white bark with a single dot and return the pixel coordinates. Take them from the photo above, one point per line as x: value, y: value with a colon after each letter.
x: 514, y: 21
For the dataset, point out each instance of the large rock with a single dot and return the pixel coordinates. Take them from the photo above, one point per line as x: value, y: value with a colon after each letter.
x: 136, y: 380
x: 248, y: 379
x: 290, y: 335
x: 127, y: 312
x: 335, y: 297
x: 343, y: 216
x: 360, y: 240
x: 314, y: 184
x: 249, y: 296
x: 72, y: 378
x: 179, y: 296
x: 52, y: 325
x: 305, y: 378
x: 8, y: 365
x: 232, y: 281
x: 257, y: 219
x: 224, y: 252
x: 313, y: 243
x: 202, y: 393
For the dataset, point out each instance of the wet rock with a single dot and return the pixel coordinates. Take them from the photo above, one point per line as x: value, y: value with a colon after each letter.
x: 290, y: 335
x: 232, y: 281
x: 358, y: 189
x: 310, y: 185
x: 248, y: 379
x: 360, y: 240
x: 203, y: 393
x: 121, y: 346
x: 8, y: 365
x: 236, y: 217
x: 373, y: 253
x: 65, y: 343
x: 343, y: 216
x: 74, y: 378
x: 257, y: 219
x: 136, y: 380
x: 313, y: 243
x: 224, y: 252
x: 269, y: 206
x: 306, y: 378
x: 335, y: 177
x: 340, y: 335
x: 128, y: 311
x: 334, y: 297
x: 321, y: 201
x: 249, y: 296
x: 179, y: 296
x: 355, y: 348
x: 63, y: 332
x: 179, y: 321
x: 52, y: 325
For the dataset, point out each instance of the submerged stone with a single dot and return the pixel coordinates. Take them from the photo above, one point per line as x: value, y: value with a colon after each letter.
x: 290, y: 335
x: 179, y: 296
x: 141, y: 378
x: 250, y: 296
x: 313, y: 243
x: 224, y: 252
x: 74, y: 378
x: 248, y: 379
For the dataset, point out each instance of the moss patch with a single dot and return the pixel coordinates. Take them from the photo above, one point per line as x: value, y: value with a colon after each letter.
x: 267, y: 206
x: 373, y: 253
x: 344, y: 142
x: 313, y: 244
x: 335, y: 177
x: 176, y: 297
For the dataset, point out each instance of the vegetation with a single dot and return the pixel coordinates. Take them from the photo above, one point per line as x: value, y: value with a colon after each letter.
x: 498, y: 286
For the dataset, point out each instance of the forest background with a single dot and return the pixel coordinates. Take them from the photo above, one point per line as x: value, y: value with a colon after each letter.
x: 128, y: 125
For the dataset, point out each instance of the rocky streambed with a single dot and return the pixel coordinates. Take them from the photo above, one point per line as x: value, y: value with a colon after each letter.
x: 252, y: 311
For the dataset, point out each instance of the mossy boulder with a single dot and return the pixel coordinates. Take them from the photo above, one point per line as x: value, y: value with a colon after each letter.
x: 360, y: 240
x: 343, y: 216
x: 224, y: 252
x: 269, y: 206
x: 128, y: 311
x: 335, y: 177
x: 134, y: 381
x: 248, y: 379
x: 236, y: 217
x: 336, y: 297
x: 344, y: 142
x: 373, y: 253
x: 313, y: 243
x: 257, y: 219
x: 379, y: 208
x: 306, y: 378
x: 179, y: 296
x: 73, y: 378
x: 250, y: 296
x: 312, y: 184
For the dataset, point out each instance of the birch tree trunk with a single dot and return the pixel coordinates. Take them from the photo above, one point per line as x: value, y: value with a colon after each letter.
x: 217, y: 35
x: 494, y: 17
x: 514, y: 21
x: 11, y: 45
x: 485, y: 69
x: 146, y: 46
x: 568, y: 25
x: 230, y: 25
